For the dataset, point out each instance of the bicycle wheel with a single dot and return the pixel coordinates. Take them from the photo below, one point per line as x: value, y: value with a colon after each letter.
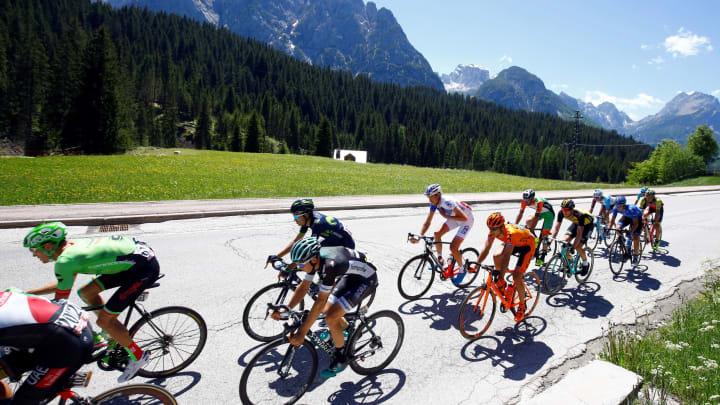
x: 554, y: 272
x: 416, y: 277
x: 175, y: 337
x: 593, y: 239
x: 532, y: 291
x: 470, y: 256
x: 367, y: 301
x: 256, y: 321
x: 376, y: 343
x: 279, y: 374
x: 582, y: 279
x: 616, y: 256
x: 609, y: 237
x: 477, y: 312
x: 135, y: 394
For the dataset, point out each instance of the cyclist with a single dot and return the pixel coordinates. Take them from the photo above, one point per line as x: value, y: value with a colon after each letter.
x: 327, y: 229
x: 346, y: 278
x: 117, y: 261
x: 650, y: 204
x: 607, y: 203
x: 640, y: 195
x: 580, y: 229
x: 50, y: 339
x: 517, y: 240
x: 630, y: 216
x: 543, y: 210
x: 457, y: 214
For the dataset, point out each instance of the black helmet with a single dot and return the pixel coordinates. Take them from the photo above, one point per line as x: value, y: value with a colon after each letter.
x: 528, y: 194
x: 302, y: 206
x: 568, y: 204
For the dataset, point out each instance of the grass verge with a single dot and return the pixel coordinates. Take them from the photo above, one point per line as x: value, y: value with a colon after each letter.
x: 680, y: 359
x: 159, y: 174
x: 698, y: 181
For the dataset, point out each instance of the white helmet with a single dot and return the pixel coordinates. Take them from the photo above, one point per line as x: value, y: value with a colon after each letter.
x: 433, y: 189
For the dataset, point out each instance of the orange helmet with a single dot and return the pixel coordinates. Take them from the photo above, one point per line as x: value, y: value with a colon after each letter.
x: 495, y: 219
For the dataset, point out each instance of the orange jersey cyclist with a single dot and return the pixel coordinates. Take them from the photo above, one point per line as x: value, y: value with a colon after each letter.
x: 457, y: 214
x: 580, y: 229
x: 117, y: 261
x: 516, y: 240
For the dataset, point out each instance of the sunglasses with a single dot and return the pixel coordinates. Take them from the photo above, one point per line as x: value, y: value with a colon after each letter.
x: 496, y: 228
x: 297, y: 216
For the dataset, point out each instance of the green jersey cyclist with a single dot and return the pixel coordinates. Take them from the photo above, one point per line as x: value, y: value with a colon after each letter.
x: 117, y: 261
x: 543, y: 210
x: 346, y: 278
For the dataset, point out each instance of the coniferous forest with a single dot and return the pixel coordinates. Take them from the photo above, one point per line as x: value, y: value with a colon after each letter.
x: 80, y: 77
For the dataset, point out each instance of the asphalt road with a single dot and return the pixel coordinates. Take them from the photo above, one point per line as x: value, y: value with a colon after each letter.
x: 215, y: 265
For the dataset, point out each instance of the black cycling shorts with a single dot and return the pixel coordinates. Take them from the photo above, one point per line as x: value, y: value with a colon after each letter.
x: 572, y: 231
x: 350, y: 290
x: 51, y: 364
x: 625, y: 221
x: 132, y: 282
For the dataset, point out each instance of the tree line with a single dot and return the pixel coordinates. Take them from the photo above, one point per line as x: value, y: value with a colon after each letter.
x: 79, y: 77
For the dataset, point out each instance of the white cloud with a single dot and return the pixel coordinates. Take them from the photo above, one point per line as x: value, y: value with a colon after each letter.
x: 505, y: 59
x: 685, y: 43
x: 644, y: 46
x: 656, y: 61
x: 635, y: 107
x: 716, y: 93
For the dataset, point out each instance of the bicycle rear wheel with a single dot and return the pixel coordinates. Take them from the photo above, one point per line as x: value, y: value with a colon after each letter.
x: 582, y: 279
x: 554, y: 272
x: 476, y: 312
x: 532, y: 291
x: 593, y: 239
x: 376, y: 343
x: 470, y: 256
x: 135, y: 394
x: 256, y: 322
x: 279, y: 374
x: 175, y: 337
x: 616, y: 257
x: 610, y: 236
x: 416, y: 277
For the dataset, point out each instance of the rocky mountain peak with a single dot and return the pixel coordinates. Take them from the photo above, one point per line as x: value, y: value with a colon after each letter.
x: 465, y: 78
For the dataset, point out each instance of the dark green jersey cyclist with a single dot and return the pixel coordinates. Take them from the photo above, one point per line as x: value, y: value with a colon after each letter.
x: 544, y: 210
x: 116, y: 261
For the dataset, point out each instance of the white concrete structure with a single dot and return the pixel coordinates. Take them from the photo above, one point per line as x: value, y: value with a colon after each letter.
x: 359, y: 156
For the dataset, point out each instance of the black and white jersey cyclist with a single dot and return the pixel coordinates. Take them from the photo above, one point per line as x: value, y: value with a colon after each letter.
x: 346, y: 278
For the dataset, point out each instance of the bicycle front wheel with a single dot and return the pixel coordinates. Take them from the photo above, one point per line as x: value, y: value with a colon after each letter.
x: 376, y: 342
x: 175, y: 337
x: 256, y: 321
x: 609, y: 237
x: 592, y: 241
x: 416, y: 277
x: 279, y: 374
x: 135, y: 394
x: 582, y: 279
x: 554, y: 275
x: 532, y: 291
x: 470, y: 256
x: 616, y: 257
x: 477, y: 312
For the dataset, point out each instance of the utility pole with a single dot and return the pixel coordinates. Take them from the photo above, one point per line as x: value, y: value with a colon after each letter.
x: 573, y: 145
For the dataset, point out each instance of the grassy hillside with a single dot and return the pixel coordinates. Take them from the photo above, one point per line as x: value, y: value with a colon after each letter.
x: 158, y: 174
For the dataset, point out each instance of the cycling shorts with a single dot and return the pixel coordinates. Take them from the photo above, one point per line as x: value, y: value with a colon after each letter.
x: 572, y: 231
x: 350, y: 290
x: 625, y: 221
x: 131, y: 282
x: 524, y: 254
x: 51, y: 364
x: 658, y: 214
x: 547, y: 218
x: 464, y: 226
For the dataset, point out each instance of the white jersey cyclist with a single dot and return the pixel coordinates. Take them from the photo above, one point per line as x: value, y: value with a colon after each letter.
x: 447, y: 205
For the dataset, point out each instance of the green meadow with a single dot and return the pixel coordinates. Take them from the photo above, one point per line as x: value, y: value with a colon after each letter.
x: 159, y: 174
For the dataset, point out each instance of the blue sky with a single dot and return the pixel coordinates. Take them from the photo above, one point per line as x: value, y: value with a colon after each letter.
x: 635, y: 54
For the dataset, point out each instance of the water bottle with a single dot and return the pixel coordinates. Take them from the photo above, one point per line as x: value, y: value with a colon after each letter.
x: 509, y: 291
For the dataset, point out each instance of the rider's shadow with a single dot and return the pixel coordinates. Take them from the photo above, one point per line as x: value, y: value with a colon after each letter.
x: 441, y: 309
x: 662, y: 255
x: 584, y: 298
x: 178, y: 384
x: 373, y: 389
x: 515, y: 351
x: 641, y: 278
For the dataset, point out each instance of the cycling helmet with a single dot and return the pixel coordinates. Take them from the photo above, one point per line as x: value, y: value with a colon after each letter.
x: 643, y: 190
x: 433, y: 189
x: 528, y: 194
x: 567, y: 204
x: 53, y: 232
x: 495, y: 219
x: 650, y: 193
x: 304, y: 250
x: 597, y: 193
x: 302, y: 206
x: 620, y: 200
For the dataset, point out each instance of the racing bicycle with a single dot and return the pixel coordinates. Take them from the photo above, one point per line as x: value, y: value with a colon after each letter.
x: 562, y: 266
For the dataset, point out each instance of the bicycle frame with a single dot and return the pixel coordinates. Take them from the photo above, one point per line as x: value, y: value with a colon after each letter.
x: 572, y: 266
x: 493, y: 286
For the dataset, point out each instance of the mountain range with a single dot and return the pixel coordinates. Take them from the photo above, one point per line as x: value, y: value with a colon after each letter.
x: 516, y: 88
x: 341, y: 34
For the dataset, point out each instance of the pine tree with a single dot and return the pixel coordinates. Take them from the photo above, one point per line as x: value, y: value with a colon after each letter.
x: 324, y: 144
x: 252, y: 140
x: 202, y: 134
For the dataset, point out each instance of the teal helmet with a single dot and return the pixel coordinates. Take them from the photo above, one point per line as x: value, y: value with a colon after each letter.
x: 50, y: 232
x: 304, y: 250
